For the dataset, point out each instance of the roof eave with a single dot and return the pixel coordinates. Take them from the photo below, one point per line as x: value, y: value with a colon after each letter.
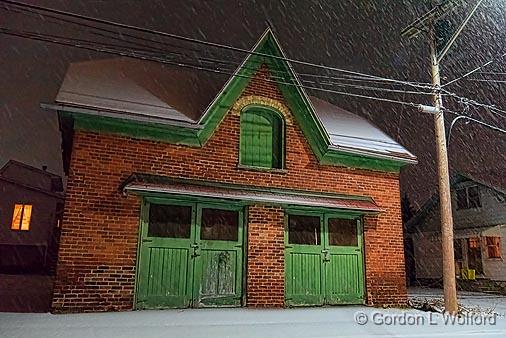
x: 374, y: 155
x: 120, y: 115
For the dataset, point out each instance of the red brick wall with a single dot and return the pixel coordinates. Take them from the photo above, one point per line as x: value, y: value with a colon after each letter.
x: 266, y: 256
x: 96, y: 268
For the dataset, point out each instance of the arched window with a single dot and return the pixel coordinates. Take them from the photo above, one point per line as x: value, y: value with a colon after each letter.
x: 261, y: 143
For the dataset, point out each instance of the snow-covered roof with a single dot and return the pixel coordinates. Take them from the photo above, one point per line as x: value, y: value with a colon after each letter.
x: 136, y: 89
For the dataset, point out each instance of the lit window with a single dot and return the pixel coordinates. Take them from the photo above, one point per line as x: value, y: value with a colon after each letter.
x: 494, y: 247
x: 468, y: 198
x: 473, y: 243
x: 21, y: 217
x: 261, y: 143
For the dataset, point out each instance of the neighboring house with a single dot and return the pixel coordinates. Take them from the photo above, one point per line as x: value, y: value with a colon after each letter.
x: 479, y: 221
x: 190, y: 189
x: 31, y: 206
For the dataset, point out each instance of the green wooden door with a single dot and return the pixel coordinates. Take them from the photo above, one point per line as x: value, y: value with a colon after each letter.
x: 218, y: 261
x: 344, y: 283
x: 303, y: 260
x: 323, y: 260
x: 190, y: 256
x: 165, y: 256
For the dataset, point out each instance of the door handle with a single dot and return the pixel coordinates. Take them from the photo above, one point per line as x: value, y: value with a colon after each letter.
x: 145, y: 240
x: 326, y: 257
x: 196, y: 251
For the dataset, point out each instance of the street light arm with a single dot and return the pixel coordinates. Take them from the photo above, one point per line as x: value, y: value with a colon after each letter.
x: 460, y: 117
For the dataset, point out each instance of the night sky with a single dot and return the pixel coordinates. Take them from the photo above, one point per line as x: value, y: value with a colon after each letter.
x: 356, y: 35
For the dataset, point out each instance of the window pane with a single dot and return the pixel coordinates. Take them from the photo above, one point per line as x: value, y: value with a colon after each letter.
x: 27, y: 215
x: 473, y: 243
x: 16, y: 216
x: 172, y: 221
x: 221, y: 225
x: 493, y: 247
x: 462, y: 199
x: 303, y: 229
x: 343, y: 232
x: 474, y: 197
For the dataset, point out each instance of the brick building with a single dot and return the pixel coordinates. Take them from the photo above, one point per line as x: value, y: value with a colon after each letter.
x: 194, y: 189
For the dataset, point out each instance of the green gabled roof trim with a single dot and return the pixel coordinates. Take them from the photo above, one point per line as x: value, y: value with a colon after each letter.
x: 148, y: 131
x: 334, y: 157
x: 295, y: 98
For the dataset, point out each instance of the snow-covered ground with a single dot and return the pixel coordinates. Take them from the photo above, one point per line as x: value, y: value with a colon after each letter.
x: 307, y: 323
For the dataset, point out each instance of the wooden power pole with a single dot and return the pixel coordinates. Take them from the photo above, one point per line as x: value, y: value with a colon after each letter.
x: 445, y: 201
x: 425, y: 23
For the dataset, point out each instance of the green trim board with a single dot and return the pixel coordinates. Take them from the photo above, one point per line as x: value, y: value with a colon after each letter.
x: 290, y: 87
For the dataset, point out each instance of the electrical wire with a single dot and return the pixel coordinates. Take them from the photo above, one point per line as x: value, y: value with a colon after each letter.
x: 137, y: 55
x: 205, y: 59
x: 474, y: 70
x: 466, y: 100
x: 488, y: 80
x: 79, y: 43
x: 198, y: 41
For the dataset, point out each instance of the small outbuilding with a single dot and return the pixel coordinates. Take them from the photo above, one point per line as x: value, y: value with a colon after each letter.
x: 194, y: 189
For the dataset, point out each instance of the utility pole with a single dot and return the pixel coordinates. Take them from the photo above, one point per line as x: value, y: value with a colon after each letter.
x: 445, y: 202
x: 425, y: 23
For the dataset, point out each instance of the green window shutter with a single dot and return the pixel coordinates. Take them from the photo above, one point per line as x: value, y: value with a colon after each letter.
x: 261, y: 139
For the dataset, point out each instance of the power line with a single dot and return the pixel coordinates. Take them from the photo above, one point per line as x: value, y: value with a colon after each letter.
x: 348, y: 78
x: 198, y: 41
x: 154, y: 50
x: 78, y: 43
x: 474, y: 70
x: 488, y: 80
x: 135, y: 54
x: 105, y: 49
x: 463, y: 99
x: 99, y: 31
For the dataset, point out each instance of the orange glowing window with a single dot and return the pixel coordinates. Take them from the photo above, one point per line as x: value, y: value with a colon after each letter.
x: 21, y: 217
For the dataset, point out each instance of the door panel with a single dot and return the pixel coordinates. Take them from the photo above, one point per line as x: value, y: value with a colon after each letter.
x: 166, y: 285
x: 218, y: 262
x: 304, y: 278
x: 303, y: 260
x: 343, y: 268
x: 165, y: 256
x: 344, y: 282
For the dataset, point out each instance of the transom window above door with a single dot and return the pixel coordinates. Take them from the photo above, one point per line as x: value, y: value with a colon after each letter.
x: 262, y: 138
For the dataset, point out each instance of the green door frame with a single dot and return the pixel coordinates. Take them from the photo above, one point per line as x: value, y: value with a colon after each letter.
x: 191, y: 297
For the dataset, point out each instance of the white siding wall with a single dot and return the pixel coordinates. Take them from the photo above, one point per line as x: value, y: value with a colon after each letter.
x: 492, y: 211
x: 495, y: 268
